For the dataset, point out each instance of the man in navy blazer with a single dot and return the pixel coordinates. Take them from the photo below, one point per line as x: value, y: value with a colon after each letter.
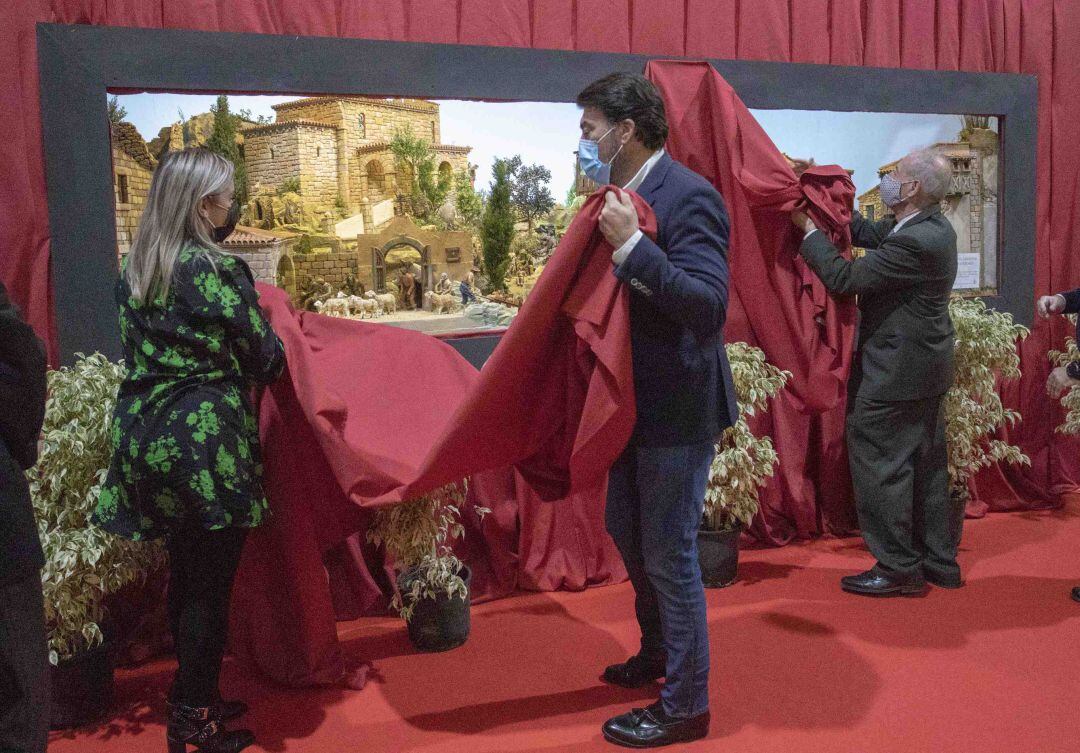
x: 685, y: 397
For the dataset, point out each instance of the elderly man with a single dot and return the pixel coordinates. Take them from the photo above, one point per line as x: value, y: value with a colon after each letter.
x: 896, y: 422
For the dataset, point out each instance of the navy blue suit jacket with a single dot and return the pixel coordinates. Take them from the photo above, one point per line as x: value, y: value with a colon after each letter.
x: 678, y: 303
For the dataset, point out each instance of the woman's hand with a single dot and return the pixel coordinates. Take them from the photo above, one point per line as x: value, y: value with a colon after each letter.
x: 1059, y: 381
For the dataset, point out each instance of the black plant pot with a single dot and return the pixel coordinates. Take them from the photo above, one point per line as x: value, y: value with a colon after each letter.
x: 718, y: 554
x: 442, y: 623
x: 82, y: 689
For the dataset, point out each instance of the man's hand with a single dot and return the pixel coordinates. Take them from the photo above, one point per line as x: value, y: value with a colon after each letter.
x: 618, y: 218
x: 1058, y: 382
x: 802, y: 221
x: 1050, y: 304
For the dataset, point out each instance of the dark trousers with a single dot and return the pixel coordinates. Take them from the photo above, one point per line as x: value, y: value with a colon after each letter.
x: 202, y: 565
x: 654, y: 505
x: 24, y: 668
x: 467, y: 296
x: 899, y: 466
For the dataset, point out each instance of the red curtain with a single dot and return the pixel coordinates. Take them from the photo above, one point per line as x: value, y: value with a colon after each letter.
x: 1039, y: 37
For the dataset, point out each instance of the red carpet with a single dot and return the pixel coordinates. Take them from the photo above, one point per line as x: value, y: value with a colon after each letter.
x: 797, y: 665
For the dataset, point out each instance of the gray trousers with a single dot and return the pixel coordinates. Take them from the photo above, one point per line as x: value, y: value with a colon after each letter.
x: 24, y: 665
x: 899, y: 467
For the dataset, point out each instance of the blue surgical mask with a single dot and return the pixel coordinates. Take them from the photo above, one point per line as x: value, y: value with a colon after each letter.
x: 891, y: 189
x: 596, y: 169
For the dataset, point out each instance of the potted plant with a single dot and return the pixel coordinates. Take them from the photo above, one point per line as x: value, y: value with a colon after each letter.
x: 433, y: 584
x: 84, y: 565
x: 985, y: 351
x: 1070, y: 401
x: 743, y: 464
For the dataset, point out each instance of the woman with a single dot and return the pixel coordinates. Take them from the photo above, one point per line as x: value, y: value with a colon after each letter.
x: 186, y: 462
x: 1063, y: 377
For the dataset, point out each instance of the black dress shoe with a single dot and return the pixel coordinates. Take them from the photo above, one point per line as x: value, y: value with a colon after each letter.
x: 1076, y: 593
x: 635, y: 672
x: 652, y: 728
x: 943, y: 581
x: 878, y: 583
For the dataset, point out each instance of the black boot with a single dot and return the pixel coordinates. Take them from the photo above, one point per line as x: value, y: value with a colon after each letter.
x: 197, y: 727
x: 225, y: 711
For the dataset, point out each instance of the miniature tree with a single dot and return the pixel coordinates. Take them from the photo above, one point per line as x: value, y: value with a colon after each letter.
x: 497, y: 228
x: 223, y: 141
x: 428, y: 187
x: 469, y: 203
x: 117, y: 112
x: 530, y: 194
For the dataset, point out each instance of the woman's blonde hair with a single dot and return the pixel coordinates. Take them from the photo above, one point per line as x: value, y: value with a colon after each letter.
x: 171, y: 219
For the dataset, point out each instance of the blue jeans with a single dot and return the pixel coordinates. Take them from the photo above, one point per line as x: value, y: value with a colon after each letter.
x: 654, y: 506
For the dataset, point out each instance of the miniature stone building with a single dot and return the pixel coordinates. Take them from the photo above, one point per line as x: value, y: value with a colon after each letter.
x: 132, y: 169
x: 337, y: 150
x: 268, y: 253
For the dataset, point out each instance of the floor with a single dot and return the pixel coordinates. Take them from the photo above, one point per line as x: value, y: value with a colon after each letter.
x: 797, y: 665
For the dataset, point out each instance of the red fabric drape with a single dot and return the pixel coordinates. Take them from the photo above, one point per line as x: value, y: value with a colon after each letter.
x: 1038, y: 37
x: 776, y: 302
x: 371, y: 415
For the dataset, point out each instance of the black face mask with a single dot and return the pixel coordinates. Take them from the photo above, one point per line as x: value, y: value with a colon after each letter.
x: 224, y: 231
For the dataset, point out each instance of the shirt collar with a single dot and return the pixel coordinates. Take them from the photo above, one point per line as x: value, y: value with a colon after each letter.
x: 639, y: 178
x: 904, y: 221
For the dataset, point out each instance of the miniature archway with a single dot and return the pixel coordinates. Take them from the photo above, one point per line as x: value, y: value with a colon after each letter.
x: 379, y: 262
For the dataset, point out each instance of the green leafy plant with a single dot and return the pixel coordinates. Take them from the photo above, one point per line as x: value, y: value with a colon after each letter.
x: 83, y: 563
x: 985, y: 350
x: 1070, y: 401
x: 417, y: 535
x: 468, y: 203
x: 289, y: 185
x: 744, y: 462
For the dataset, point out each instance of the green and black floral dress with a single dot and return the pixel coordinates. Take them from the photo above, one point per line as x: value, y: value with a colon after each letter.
x: 185, y: 440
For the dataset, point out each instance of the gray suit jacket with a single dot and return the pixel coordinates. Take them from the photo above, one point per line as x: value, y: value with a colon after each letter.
x: 906, y: 336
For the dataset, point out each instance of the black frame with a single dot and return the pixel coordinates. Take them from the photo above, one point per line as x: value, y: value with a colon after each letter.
x: 79, y: 64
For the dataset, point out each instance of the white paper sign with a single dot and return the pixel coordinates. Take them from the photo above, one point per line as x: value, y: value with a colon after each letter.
x: 968, y: 269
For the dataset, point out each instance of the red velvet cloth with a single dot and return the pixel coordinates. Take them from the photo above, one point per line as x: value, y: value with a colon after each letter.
x: 776, y: 302
x: 370, y: 415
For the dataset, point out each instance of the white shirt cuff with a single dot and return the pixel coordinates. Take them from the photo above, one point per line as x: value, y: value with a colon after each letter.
x: 624, y: 250
x: 809, y: 233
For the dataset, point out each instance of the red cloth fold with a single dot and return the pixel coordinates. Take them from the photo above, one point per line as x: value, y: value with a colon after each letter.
x: 371, y: 415
x: 776, y: 303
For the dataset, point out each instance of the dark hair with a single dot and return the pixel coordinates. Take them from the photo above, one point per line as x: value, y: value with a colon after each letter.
x: 621, y: 96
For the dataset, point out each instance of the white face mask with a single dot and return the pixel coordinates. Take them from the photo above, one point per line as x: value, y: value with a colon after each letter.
x: 892, y: 189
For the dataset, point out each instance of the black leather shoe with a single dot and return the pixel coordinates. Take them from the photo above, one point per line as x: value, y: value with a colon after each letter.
x: 877, y: 583
x: 653, y: 728
x: 634, y: 672
x: 1076, y: 593
x: 943, y: 581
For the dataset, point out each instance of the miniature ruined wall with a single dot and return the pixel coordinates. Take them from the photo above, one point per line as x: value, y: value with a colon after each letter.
x: 332, y: 267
